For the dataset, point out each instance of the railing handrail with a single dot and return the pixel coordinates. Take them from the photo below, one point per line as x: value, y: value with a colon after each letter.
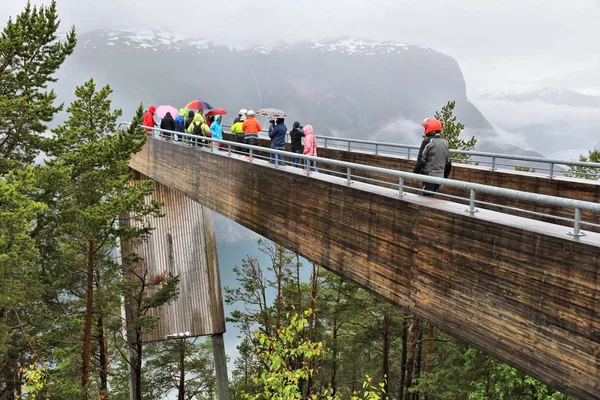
x: 503, y: 156
x: 577, y: 205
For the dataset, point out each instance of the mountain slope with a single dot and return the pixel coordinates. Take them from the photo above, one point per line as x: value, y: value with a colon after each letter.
x: 347, y: 87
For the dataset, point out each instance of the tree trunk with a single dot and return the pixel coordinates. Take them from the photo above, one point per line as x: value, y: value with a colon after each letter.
x: 404, y: 356
x: 137, y: 367
x: 313, y: 300
x: 279, y: 277
x: 11, y: 378
x: 386, y: 354
x: 103, y: 359
x: 311, y: 320
x: 88, y: 319
x: 19, y: 385
x: 413, y: 335
x: 102, y: 346
x: 265, y: 307
x: 298, y: 283
x: 428, y: 352
x: 181, y: 370
x: 334, y: 351
x: 417, y: 373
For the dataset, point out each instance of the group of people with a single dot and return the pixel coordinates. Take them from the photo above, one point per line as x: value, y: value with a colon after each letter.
x: 187, y: 121
x: 246, y: 128
x: 433, y: 158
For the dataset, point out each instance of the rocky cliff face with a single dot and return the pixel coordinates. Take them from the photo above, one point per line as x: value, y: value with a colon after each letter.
x: 346, y: 88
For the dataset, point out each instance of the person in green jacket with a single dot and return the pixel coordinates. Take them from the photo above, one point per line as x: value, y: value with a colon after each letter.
x: 198, y: 127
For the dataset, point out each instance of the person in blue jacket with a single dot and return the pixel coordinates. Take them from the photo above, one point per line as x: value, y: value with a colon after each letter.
x: 180, y: 123
x: 216, y: 132
x: 277, y: 134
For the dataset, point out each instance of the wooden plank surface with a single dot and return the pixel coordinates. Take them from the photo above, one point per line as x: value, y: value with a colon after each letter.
x: 522, y: 291
x: 572, y: 189
x: 183, y: 243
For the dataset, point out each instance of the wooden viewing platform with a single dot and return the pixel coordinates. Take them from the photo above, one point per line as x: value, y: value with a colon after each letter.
x: 519, y: 289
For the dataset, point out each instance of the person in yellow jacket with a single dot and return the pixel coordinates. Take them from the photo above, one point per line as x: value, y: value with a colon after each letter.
x: 198, y: 127
x: 238, y: 131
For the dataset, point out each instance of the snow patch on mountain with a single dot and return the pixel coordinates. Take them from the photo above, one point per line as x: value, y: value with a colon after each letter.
x: 162, y: 40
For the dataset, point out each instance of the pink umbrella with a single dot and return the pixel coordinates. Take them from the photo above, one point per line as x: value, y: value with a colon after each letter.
x: 161, y: 111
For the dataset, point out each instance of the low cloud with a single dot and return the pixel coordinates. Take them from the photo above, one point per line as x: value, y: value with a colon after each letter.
x: 499, y: 44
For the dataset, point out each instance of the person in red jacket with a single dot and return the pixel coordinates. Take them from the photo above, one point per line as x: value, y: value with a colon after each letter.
x: 149, y: 119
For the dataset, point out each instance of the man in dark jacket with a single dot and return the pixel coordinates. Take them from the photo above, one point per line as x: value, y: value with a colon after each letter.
x: 277, y: 134
x: 188, y: 121
x: 434, y: 155
x: 167, y: 124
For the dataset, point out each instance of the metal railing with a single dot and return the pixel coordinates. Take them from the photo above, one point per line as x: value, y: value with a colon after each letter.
x: 400, y: 177
x: 495, y: 161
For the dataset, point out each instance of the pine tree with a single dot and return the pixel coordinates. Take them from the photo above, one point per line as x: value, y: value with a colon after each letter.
x: 182, y: 366
x: 164, y: 369
x: 18, y: 273
x: 91, y: 188
x: 452, y: 130
x: 586, y: 172
x: 254, y: 284
x: 29, y: 56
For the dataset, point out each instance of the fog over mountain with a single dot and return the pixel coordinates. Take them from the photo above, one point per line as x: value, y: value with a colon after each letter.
x: 345, y: 87
x: 559, y: 123
x: 548, y: 95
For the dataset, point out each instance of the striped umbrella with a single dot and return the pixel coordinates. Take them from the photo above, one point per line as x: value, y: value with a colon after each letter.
x: 198, y: 105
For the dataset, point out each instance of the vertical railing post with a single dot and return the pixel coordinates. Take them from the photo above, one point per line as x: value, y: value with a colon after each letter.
x: 325, y: 144
x: 551, y: 170
x: 376, y: 149
x: 228, y: 149
x: 493, y: 163
x: 250, y: 155
x: 349, y: 146
x: 348, y: 176
x: 307, y: 162
x: 408, y: 156
x: 472, y: 208
x: 401, y: 186
x: 577, y: 224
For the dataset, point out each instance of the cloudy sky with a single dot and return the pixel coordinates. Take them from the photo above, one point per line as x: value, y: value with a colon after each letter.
x: 508, y: 45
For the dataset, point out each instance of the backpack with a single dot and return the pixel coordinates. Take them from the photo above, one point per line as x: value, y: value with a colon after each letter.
x: 197, y: 130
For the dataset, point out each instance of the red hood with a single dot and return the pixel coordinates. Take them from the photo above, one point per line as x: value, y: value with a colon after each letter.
x: 152, y: 109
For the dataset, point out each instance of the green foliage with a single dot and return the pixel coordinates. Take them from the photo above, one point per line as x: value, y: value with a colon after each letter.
x: 586, y: 172
x: 281, y: 377
x: 246, y: 367
x: 525, y: 169
x: 35, y: 379
x: 18, y: 255
x: 288, y: 359
x: 254, y: 284
x: 29, y: 56
x: 162, y: 371
x: 451, y: 132
x: 370, y: 391
x: 504, y: 382
x: 17, y: 249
